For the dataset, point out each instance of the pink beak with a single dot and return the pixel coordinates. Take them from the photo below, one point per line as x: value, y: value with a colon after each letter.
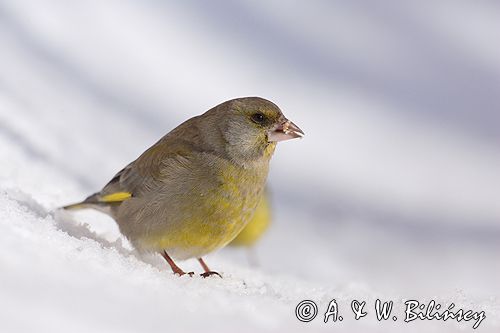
x: 284, y: 131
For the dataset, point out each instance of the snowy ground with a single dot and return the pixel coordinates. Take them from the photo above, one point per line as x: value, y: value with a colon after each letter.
x: 393, y: 194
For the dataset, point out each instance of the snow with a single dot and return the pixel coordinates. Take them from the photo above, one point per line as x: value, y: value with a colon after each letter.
x: 393, y: 193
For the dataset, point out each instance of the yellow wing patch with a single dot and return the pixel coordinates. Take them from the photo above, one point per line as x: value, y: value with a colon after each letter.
x: 116, y: 197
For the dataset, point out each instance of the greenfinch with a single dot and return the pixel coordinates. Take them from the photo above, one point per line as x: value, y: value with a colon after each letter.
x: 193, y: 191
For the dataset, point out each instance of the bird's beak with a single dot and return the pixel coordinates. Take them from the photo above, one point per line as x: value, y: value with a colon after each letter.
x: 284, y: 131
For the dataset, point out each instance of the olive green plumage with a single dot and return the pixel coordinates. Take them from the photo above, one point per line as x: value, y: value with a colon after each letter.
x: 195, y: 189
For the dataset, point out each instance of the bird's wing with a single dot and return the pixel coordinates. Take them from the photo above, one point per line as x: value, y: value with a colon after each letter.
x: 146, y: 174
x: 160, y: 162
x: 171, y: 156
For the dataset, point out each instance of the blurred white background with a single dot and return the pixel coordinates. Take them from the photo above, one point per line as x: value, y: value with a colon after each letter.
x: 396, y: 185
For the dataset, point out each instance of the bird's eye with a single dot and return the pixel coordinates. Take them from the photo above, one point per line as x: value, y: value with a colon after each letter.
x: 258, y: 118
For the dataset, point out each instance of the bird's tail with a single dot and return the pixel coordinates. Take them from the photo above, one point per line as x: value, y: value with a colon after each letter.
x: 89, y: 202
x: 76, y: 206
x: 101, y: 202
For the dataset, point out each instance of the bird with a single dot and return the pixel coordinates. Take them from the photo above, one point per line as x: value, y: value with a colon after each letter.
x: 193, y: 191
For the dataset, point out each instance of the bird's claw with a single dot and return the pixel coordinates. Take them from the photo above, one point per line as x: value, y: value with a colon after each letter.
x: 184, y: 273
x: 210, y: 273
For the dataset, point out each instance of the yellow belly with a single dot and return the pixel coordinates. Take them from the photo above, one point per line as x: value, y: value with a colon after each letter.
x: 198, y: 238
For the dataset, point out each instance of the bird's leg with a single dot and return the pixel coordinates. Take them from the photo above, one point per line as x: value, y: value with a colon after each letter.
x: 176, y: 269
x: 207, y: 270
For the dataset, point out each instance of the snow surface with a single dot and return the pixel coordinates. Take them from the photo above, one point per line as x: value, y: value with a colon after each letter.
x: 392, y: 194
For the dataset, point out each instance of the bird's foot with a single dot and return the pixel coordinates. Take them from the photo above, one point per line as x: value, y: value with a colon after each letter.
x: 181, y: 273
x: 210, y: 273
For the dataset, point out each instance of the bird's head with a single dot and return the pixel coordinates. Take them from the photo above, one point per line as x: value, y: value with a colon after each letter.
x: 251, y: 127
